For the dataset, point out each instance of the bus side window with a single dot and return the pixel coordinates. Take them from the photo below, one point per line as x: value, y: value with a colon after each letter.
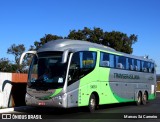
x: 122, y: 60
x: 135, y: 65
x: 82, y: 63
x: 74, y: 68
x: 138, y: 65
x: 149, y: 67
x: 152, y: 68
x: 104, y: 61
x: 131, y: 64
x: 118, y: 63
x: 111, y: 60
x: 117, y: 59
x: 127, y: 64
x: 87, y: 59
x: 144, y: 66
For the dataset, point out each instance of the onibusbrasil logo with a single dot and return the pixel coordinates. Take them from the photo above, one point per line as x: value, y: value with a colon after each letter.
x: 20, y: 116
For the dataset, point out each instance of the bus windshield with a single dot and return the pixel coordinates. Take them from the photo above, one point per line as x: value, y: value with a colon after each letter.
x: 47, y: 71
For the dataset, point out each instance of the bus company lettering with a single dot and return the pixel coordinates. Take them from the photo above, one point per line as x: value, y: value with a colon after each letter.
x: 126, y: 76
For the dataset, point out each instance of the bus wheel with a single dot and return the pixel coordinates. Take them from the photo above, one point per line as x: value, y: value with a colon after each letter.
x: 139, y: 99
x: 144, y: 98
x: 92, y: 103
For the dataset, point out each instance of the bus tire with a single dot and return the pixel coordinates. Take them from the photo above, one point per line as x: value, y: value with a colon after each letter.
x: 139, y: 99
x: 144, y: 98
x: 92, y: 103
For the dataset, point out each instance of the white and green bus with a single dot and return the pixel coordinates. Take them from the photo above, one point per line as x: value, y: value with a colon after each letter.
x: 73, y: 73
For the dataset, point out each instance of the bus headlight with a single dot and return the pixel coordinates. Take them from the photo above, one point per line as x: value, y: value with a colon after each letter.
x: 58, y: 97
x: 28, y: 96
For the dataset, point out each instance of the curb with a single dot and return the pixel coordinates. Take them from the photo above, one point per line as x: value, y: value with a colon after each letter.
x: 3, y: 110
x: 6, y: 110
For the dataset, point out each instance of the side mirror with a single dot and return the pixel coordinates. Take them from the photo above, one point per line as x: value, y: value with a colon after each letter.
x: 23, y: 54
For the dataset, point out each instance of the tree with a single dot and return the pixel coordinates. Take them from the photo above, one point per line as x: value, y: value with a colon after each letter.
x: 45, y: 39
x: 7, y: 66
x: 16, y: 50
x: 117, y: 40
x: 28, y: 57
x: 95, y: 35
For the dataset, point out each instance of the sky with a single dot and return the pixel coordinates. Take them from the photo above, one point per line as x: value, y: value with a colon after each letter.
x: 26, y: 21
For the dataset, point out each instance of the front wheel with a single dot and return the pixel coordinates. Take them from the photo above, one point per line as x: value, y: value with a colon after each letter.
x: 92, y: 103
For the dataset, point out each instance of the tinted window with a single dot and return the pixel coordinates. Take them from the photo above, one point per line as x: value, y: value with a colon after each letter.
x: 106, y: 60
x: 131, y: 63
x: 111, y: 60
x: 82, y: 63
x: 126, y: 63
x: 138, y: 65
x: 144, y: 66
x: 120, y: 62
x: 47, y: 71
x: 152, y: 67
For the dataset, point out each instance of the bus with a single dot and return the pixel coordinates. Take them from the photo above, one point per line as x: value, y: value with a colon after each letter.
x: 73, y: 73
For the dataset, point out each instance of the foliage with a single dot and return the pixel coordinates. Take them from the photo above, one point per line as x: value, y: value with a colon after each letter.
x: 117, y: 40
x: 7, y: 66
x: 16, y: 50
x: 95, y: 35
x: 45, y: 39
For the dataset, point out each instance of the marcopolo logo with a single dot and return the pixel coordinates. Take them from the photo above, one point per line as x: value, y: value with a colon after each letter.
x: 126, y: 76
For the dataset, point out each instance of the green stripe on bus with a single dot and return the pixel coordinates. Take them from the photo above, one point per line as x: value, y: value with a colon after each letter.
x: 96, y: 82
x: 151, y: 96
x: 57, y: 91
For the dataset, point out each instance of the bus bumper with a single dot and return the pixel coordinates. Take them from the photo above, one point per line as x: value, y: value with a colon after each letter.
x: 59, y: 101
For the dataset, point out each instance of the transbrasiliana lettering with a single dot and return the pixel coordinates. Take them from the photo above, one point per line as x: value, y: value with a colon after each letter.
x: 126, y: 76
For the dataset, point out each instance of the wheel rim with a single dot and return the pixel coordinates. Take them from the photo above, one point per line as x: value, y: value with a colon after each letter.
x: 92, y: 104
x: 139, y: 99
x: 144, y: 98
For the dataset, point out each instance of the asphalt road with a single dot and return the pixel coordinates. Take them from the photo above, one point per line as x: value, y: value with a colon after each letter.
x: 115, y: 112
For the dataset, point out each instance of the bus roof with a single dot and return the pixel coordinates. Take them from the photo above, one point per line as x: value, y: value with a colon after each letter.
x: 76, y: 45
x: 79, y: 45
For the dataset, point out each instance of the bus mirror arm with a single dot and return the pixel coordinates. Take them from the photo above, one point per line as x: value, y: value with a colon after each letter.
x: 65, y: 55
x: 23, y: 54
